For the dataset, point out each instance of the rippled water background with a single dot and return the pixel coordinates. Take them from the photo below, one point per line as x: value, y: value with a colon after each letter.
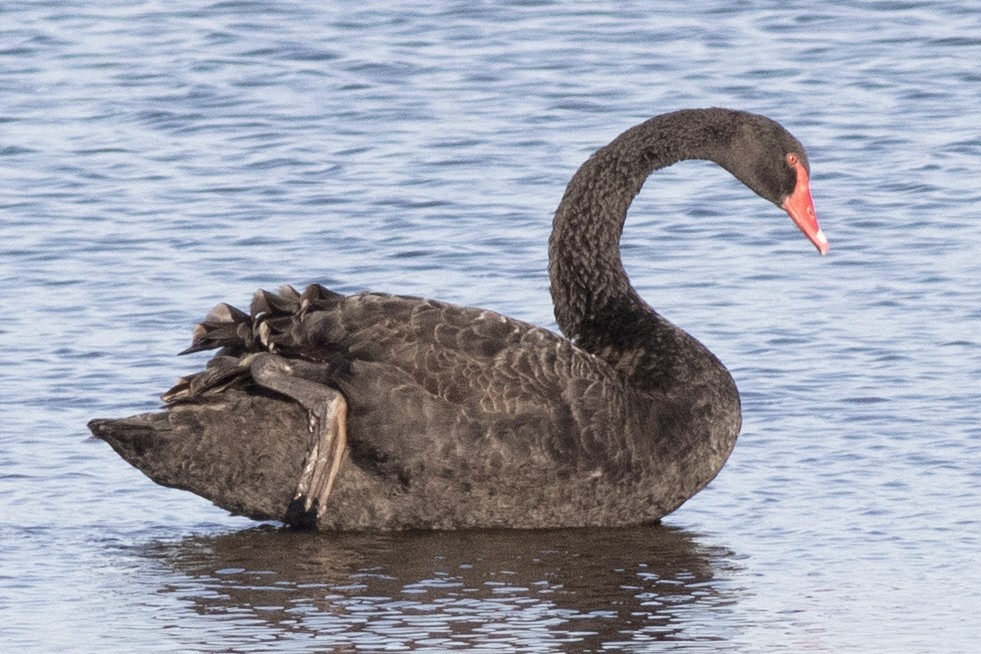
x: 156, y: 158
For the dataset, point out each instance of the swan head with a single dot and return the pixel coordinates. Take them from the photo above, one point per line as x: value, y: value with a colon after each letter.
x: 770, y: 161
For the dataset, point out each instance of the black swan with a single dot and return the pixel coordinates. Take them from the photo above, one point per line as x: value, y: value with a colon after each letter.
x: 382, y: 412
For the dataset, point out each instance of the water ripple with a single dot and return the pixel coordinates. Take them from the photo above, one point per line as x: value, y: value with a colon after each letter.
x: 157, y: 159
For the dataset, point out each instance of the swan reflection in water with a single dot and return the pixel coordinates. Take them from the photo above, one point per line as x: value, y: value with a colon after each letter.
x: 576, y: 589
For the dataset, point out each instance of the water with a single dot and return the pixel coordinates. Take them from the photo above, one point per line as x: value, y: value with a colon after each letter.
x: 156, y: 158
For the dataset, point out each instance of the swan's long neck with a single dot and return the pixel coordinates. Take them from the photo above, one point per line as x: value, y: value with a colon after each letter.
x: 590, y: 288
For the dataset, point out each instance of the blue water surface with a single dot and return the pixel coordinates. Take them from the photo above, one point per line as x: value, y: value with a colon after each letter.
x: 157, y: 158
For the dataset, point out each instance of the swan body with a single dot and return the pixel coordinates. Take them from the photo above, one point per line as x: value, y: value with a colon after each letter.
x: 380, y: 412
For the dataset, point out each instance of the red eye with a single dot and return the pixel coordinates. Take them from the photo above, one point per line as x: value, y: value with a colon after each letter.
x: 792, y: 159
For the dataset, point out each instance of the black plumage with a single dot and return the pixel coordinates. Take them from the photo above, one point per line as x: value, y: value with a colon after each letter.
x: 460, y: 417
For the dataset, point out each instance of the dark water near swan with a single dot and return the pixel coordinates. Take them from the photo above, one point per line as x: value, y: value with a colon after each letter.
x: 156, y: 158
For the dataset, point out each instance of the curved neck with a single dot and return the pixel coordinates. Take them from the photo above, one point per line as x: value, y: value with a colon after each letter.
x: 588, y: 282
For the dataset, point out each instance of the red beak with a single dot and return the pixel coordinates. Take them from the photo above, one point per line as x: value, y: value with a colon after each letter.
x: 800, y: 206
